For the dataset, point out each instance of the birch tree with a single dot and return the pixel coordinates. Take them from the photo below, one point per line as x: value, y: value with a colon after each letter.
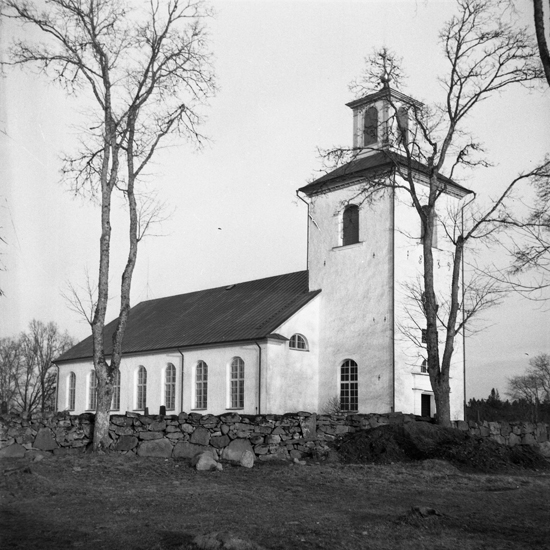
x: 145, y: 70
x: 486, y: 52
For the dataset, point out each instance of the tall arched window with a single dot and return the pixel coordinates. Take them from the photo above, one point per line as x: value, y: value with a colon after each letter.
x: 71, y: 393
x: 349, y: 386
x: 403, y: 125
x: 115, y: 401
x: 370, y: 126
x: 142, y: 388
x: 92, y: 391
x: 201, y: 385
x: 170, y: 387
x: 350, y: 225
x: 237, y: 383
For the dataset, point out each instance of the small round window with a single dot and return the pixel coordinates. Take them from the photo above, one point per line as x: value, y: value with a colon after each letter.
x: 297, y: 341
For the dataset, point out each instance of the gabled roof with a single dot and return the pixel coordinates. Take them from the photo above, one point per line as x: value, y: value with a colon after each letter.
x: 244, y: 311
x: 379, y: 163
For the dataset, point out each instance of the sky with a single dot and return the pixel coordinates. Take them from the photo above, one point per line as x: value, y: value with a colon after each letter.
x: 283, y: 70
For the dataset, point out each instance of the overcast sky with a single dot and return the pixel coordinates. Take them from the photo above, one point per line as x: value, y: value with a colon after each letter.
x: 283, y: 70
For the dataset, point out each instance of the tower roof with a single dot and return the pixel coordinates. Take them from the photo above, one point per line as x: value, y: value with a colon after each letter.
x: 377, y: 163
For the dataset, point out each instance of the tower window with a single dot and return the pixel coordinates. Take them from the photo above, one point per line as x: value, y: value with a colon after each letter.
x: 297, y: 341
x: 349, y: 386
x: 403, y: 126
x: 370, y: 126
x: 350, y: 225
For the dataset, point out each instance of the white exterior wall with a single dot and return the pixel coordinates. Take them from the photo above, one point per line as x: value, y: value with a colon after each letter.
x: 410, y: 383
x: 291, y: 376
x: 218, y: 360
x: 356, y: 299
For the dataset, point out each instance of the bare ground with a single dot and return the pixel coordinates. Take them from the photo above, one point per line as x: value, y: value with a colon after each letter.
x: 127, y: 502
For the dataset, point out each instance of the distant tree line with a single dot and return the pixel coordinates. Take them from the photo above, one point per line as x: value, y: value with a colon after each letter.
x: 28, y: 379
x: 529, y: 397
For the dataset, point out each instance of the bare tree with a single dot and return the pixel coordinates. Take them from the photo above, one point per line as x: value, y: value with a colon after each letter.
x: 486, y: 52
x: 27, y: 376
x: 147, y: 70
x: 40, y: 345
x: 10, y: 371
x: 534, y: 385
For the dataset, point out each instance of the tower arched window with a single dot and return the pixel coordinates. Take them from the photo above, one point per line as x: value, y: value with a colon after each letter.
x: 349, y: 386
x: 350, y: 225
x: 370, y: 126
x: 403, y: 125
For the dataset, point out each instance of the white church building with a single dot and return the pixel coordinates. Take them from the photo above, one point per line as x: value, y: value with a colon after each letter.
x: 345, y: 331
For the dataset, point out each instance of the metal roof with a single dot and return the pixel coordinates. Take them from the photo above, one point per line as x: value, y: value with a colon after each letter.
x: 377, y: 163
x: 243, y: 311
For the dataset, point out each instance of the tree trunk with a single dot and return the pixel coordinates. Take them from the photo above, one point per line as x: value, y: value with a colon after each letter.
x: 541, y: 37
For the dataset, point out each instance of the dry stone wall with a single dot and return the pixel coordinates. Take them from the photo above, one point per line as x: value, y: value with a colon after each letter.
x: 226, y: 436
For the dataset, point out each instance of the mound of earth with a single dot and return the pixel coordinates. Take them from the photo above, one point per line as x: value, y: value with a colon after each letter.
x: 423, y: 441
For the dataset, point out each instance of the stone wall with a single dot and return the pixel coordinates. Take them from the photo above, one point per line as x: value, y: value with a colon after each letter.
x: 227, y: 436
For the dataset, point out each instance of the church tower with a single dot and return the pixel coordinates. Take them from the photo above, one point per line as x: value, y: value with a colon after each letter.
x: 364, y: 245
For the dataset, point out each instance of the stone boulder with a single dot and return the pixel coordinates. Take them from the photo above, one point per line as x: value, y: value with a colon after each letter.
x: 235, y: 450
x: 126, y: 443
x: 186, y: 450
x: 13, y: 451
x: 45, y: 440
x: 160, y: 448
x: 201, y: 436
x: 205, y: 462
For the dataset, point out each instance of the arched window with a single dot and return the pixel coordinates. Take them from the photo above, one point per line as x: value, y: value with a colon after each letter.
x: 92, y: 391
x: 370, y: 126
x: 350, y: 225
x: 349, y: 386
x: 237, y: 383
x: 115, y: 401
x: 201, y: 385
x: 403, y: 125
x: 297, y: 341
x: 71, y: 393
x: 424, y: 366
x: 170, y: 387
x: 141, y: 388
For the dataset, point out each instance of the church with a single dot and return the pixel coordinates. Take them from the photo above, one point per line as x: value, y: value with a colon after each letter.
x: 344, y: 334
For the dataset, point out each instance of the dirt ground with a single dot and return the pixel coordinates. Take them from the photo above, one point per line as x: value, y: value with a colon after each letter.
x: 126, y: 502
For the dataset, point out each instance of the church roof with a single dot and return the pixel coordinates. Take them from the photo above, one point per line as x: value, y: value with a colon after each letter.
x: 243, y: 311
x: 375, y: 163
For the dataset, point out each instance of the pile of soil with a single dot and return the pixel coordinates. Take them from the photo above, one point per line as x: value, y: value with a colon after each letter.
x: 422, y: 441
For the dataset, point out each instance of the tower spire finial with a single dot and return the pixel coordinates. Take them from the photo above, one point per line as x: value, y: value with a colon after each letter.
x: 385, y: 77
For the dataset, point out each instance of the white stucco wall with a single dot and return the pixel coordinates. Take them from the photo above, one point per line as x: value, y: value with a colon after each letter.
x: 291, y: 376
x: 410, y: 383
x: 218, y: 360
x: 356, y: 316
x: 288, y: 377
